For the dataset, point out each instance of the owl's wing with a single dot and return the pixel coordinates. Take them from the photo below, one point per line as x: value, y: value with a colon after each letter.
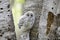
x: 21, y: 21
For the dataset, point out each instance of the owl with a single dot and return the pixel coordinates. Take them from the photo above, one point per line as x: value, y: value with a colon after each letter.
x: 26, y: 21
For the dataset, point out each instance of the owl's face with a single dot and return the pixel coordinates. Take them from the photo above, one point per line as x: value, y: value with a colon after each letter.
x: 30, y: 14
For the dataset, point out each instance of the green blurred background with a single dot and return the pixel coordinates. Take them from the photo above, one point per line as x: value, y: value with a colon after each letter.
x: 17, y: 11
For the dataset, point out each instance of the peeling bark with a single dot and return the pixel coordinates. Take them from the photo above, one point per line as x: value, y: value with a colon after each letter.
x: 50, y: 20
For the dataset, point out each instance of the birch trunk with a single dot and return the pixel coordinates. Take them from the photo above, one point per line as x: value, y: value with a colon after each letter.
x: 7, y: 29
x: 47, y: 23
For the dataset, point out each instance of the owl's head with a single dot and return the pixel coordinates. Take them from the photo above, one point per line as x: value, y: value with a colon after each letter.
x: 30, y: 17
x: 30, y: 14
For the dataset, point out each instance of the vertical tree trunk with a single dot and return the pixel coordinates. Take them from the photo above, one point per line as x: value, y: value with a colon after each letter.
x: 58, y: 22
x: 49, y: 11
x: 7, y: 29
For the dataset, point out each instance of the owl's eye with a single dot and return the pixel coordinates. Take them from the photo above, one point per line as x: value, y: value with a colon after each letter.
x: 27, y: 14
x: 31, y: 15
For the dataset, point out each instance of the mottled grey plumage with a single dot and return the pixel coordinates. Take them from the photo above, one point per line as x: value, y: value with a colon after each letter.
x: 26, y: 21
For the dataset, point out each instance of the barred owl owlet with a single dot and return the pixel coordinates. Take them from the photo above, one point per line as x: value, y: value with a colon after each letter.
x: 26, y: 21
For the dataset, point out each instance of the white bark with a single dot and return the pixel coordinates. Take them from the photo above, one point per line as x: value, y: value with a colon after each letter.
x: 7, y: 29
